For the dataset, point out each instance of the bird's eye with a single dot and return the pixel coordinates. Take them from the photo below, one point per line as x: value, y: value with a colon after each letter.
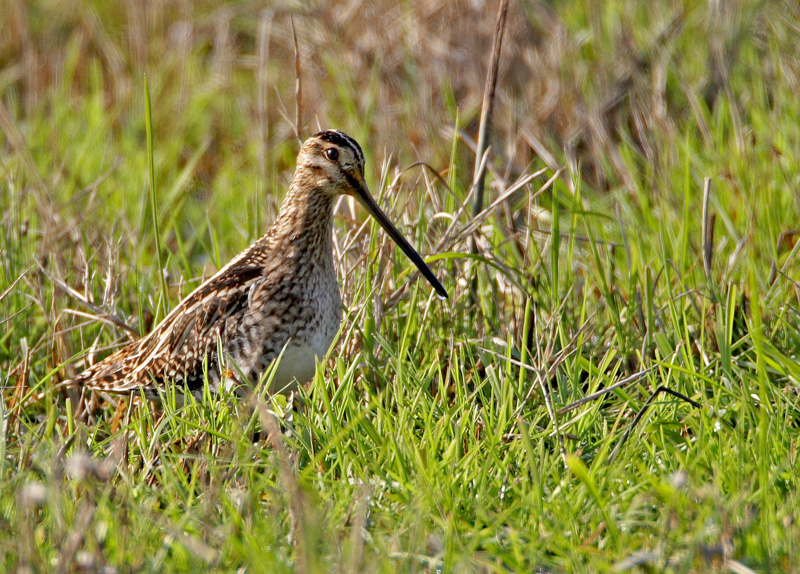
x: 332, y: 153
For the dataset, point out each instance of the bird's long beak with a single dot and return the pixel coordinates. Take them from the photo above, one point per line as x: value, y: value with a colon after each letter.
x: 363, y: 196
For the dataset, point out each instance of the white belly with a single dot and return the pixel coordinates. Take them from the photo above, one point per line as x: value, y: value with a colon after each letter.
x: 298, y: 363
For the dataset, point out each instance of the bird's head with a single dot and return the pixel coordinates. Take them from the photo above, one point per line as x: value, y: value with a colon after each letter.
x: 334, y: 163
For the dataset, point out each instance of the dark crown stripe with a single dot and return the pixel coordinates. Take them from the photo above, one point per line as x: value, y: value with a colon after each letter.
x: 343, y: 140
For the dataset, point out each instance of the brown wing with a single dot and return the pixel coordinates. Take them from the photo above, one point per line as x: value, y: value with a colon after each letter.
x: 176, y: 348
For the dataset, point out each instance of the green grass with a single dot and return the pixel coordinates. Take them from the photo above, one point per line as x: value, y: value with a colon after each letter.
x: 425, y: 443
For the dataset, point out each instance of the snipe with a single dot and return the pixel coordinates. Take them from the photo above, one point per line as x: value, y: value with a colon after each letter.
x: 280, y: 295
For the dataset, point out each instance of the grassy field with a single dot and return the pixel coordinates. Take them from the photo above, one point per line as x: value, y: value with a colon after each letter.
x: 657, y: 248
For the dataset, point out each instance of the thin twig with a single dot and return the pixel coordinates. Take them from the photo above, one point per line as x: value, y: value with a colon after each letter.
x: 708, y: 238
x: 430, y: 168
x: 589, y: 398
x: 487, y: 108
x: 100, y: 314
x: 264, y: 33
x: 298, y: 90
x: 294, y: 492
x: 104, y: 318
x: 643, y: 410
x: 17, y: 141
x: 490, y: 87
x: 449, y: 238
x: 76, y: 536
x: 14, y: 284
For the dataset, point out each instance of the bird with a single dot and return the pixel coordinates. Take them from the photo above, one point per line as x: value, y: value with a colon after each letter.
x: 278, y: 300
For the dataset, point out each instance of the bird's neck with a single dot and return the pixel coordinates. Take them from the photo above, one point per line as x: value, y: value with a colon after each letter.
x: 304, y: 226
